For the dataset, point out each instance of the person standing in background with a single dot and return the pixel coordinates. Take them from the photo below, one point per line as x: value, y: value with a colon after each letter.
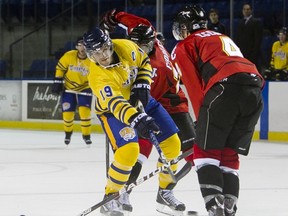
x: 214, y: 23
x: 71, y: 75
x: 249, y: 36
x: 279, y: 58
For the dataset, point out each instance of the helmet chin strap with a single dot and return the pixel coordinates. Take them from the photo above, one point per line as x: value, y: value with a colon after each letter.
x: 111, y: 65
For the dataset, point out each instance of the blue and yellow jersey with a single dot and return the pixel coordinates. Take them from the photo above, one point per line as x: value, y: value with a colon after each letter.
x: 73, y: 70
x: 112, y: 85
x: 279, y: 59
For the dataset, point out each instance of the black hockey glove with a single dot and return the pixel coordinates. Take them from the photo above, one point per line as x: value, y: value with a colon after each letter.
x: 109, y: 22
x: 58, y: 86
x: 140, y: 91
x: 144, y: 124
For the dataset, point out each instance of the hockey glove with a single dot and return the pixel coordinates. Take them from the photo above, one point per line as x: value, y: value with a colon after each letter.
x: 140, y: 91
x: 58, y: 86
x: 109, y: 22
x: 144, y: 124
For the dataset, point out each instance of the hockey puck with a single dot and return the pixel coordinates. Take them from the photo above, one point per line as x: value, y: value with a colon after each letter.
x: 192, y: 213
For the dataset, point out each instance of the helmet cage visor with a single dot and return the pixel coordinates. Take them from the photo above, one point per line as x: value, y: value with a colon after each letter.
x: 95, y: 54
x: 146, y: 46
x: 179, y: 31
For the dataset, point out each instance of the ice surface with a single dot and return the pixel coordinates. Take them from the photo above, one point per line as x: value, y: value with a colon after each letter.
x: 40, y: 176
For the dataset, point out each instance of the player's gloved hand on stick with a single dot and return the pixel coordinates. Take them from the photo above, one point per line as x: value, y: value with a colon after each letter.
x: 140, y: 91
x: 109, y: 21
x: 58, y: 86
x: 144, y: 124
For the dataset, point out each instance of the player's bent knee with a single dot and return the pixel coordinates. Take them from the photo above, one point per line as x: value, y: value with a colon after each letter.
x: 171, y: 147
x: 127, y: 155
x: 68, y: 116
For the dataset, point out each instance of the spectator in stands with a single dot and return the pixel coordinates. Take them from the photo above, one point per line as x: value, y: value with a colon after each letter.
x: 72, y: 83
x: 249, y: 36
x: 279, y: 59
x: 214, y: 23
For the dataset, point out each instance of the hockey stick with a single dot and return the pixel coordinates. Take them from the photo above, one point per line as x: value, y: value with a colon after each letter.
x: 79, y: 93
x: 162, y: 156
x: 155, y: 142
x: 136, y: 183
x: 183, y: 171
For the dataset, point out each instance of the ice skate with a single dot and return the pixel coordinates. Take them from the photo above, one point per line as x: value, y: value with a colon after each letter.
x: 112, y: 208
x: 218, y: 208
x: 87, y: 140
x: 125, y: 203
x: 67, y: 137
x: 168, y: 204
x: 230, y: 206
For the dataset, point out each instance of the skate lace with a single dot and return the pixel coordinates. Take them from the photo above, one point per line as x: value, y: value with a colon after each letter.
x: 124, y: 199
x: 219, y: 202
x: 170, y: 198
x: 111, y: 206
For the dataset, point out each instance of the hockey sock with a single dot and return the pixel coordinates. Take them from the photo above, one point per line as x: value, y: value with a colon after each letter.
x: 231, y: 191
x: 231, y: 184
x: 211, y: 183
x: 119, y: 171
x: 68, y: 118
x: 85, y: 115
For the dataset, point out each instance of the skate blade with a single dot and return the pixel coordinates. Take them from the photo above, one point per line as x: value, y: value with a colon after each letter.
x: 191, y: 213
x: 168, y: 211
x: 126, y: 208
x: 113, y: 213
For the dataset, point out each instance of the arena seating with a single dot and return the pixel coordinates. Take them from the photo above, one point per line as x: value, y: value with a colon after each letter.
x: 270, y: 12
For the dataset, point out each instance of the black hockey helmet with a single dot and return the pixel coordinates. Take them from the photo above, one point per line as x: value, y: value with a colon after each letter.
x: 95, y: 39
x: 190, y: 18
x: 144, y: 36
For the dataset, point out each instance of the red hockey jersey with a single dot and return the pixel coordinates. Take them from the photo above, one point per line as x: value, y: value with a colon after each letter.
x: 204, y: 58
x: 165, y: 87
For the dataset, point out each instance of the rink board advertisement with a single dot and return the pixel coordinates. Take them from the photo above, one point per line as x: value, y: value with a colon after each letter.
x: 41, y: 103
x: 10, y: 100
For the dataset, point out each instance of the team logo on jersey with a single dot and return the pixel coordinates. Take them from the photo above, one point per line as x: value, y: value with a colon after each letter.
x: 154, y: 73
x: 133, y: 71
x: 127, y: 133
x: 80, y: 69
x: 66, y: 106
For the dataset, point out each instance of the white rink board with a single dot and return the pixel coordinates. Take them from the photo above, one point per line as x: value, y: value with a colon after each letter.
x: 278, y: 107
x: 10, y: 100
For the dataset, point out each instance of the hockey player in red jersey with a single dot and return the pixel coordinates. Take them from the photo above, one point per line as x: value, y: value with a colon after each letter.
x: 225, y: 91
x: 166, y: 90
